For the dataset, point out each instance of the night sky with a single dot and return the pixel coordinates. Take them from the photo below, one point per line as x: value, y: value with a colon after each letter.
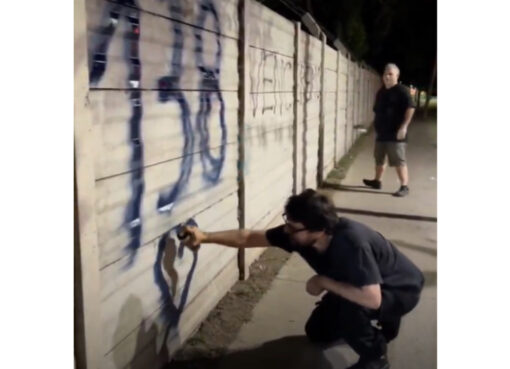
x: 377, y: 31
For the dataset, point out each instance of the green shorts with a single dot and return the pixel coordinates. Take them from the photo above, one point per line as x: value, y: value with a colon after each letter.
x: 396, y: 152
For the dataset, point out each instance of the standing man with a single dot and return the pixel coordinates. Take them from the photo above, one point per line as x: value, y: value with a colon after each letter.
x: 369, y: 283
x: 393, y: 110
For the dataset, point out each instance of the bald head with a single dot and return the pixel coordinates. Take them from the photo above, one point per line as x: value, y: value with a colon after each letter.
x: 390, y: 75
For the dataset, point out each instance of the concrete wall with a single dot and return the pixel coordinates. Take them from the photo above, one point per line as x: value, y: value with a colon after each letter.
x: 158, y: 142
x: 269, y: 119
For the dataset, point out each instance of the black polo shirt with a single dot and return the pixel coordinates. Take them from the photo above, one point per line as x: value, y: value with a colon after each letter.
x: 357, y: 255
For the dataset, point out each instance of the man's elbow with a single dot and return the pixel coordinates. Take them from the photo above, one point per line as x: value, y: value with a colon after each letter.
x: 375, y: 302
x: 374, y: 297
x: 254, y: 238
x: 245, y: 239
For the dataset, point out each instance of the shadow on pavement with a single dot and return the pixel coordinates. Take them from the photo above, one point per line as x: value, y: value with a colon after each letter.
x: 386, y: 215
x: 430, y: 278
x: 291, y: 352
x: 362, y: 189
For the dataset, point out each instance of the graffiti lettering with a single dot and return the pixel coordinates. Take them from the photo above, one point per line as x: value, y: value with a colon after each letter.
x: 170, y: 91
x: 273, y: 73
x: 311, y: 80
x: 110, y: 21
x: 210, y: 87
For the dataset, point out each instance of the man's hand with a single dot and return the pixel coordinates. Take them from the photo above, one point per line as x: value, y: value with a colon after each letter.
x: 193, y: 236
x: 314, y: 286
x: 401, y: 134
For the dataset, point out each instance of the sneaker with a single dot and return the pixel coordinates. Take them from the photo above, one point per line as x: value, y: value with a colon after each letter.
x: 402, y: 191
x: 381, y: 363
x: 374, y: 183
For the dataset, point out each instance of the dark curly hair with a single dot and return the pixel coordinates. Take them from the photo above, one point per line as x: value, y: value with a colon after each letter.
x: 315, y: 211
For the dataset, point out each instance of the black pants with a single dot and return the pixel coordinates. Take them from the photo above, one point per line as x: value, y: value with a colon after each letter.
x: 336, y: 318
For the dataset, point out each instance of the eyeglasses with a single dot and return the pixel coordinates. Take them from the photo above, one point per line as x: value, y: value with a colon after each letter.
x: 291, y: 229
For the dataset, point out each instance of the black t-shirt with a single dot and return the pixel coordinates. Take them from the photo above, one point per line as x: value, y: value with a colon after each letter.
x: 389, y: 108
x: 357, y: 255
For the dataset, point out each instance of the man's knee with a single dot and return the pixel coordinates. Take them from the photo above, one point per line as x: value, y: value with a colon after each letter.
x: 313, y: 330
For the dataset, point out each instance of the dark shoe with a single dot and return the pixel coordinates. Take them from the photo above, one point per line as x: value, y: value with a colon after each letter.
x: 381, y: 363
x: 403, y: 191
x: 374, y: 183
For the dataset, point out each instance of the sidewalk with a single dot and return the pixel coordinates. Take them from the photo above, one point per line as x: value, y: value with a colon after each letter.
x: 274, y: 338
x: 275, y: 335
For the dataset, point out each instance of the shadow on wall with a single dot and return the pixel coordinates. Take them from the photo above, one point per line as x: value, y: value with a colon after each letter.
x: 132, y: 347
x: 293, y: 352
x: 140, y: 349
x: 126, y: 347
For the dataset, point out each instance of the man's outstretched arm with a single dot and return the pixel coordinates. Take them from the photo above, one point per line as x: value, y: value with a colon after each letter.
x: 234, y: 238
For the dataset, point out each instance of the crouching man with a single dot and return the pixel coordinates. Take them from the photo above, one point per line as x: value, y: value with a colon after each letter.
x: 369, y: 283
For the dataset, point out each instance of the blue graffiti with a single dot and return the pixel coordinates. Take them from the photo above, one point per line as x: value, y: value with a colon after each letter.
x: 209, y: 87
x: 137, y: 179
x: 167, y: 251
x: 132, y: 56
x: 170, y: 90
x: 100, y: 56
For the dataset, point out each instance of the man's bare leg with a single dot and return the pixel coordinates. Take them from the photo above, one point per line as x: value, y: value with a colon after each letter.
x: 379, y: 170
x: 403, y: 174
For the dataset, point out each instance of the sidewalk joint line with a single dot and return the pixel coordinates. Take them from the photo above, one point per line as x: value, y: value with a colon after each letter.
x: 387, y: 215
